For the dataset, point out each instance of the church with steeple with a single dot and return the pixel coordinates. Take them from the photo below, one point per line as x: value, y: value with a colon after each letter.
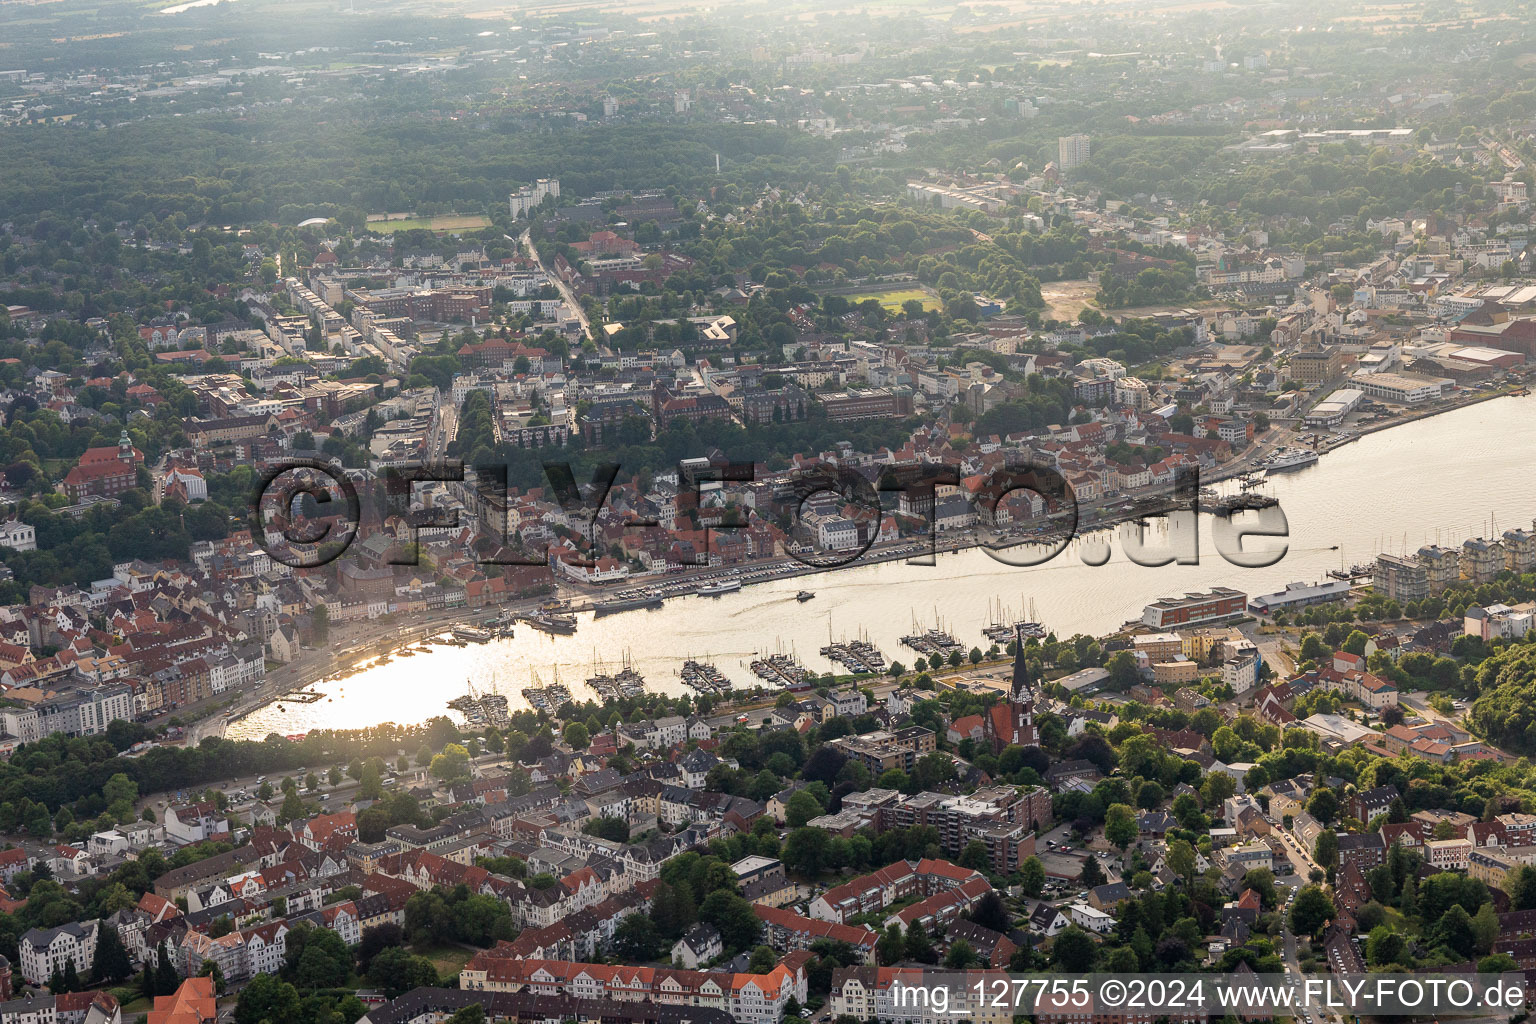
x: 1013, y: 721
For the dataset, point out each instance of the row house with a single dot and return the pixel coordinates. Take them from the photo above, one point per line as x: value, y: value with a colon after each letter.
x: 341, y: 918
x: 748, y: 998
x: 583, y: 935
x: 942, y: 908
x: 785, y: 931
x: 885, y: 994
x: 890, y: 884
x: 240, y: 954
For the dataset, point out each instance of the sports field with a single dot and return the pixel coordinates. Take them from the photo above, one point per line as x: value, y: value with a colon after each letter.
x: 892, y: 298
x: 446, y: 222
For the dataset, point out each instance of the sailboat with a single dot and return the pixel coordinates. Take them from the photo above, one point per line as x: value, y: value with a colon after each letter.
x: 1003, y: 627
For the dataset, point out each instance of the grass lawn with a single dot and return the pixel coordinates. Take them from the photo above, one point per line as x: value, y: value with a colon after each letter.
x: 893, y: 298
x: 447, y: 222
x: 449, y: 960
x: 1398, y: 923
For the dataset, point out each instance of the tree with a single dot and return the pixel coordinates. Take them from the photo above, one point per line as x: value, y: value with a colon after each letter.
x: 1522, y: 888
x: 1326, y: 850
x: 1312, y: 909
x: 1454, y: 931
x: 1073, y: 950
x: 397, y: 971
x: 991, y: 912
x: 211, y: 969
x: 934, y: 769
x: 320, y: 625
x: 114, y: 897
x: 1313, y: 648
x: 1092, y: 873
x: 576, y: 736
x: 293, y: 807
x: 267, y: 998
x: 316, y: 958
x: 890, y: 946
x: 733, y: 917
x: 121, y: 793
x: 166, y: 978
x: 762, y: 960
x: 960, y: 956
x: 1323, y: 805
x: 1261, y: 881
x: 805, y: 852
x: 1384, y: 946
x: 474, y: 1013
x: 801, y: 808
x: 918, y: 946
x: 824, y: 765
x: 1122, y: 671
x: 1216, y: 788
x: 370, y: 783
x: 1355, y: 643
x: 1485, y: 929
x: 452, y: 765
x: 1032, y: 876
x: 613, y: 829
x: 637, y: 939
x: 975, y: 856
x: 112, y: 963
x: 375, y: 941
x: 1181, y: 858
x: 1120, y: 827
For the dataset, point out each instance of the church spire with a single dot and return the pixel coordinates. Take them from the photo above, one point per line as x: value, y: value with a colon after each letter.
x: 1021, y: 688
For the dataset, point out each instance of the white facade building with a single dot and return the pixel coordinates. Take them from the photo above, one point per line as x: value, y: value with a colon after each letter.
x: 44, y: 950
x: 18, y: 536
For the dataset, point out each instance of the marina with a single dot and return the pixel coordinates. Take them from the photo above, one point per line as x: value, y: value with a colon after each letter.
x: 931, y: 641
x: 782, y: 669
x: 1002, y: 628
x: 857, y: 656
x: 483, y: 709
x: 704, y: 677
x: 624, y: 683
x: 548, y: 699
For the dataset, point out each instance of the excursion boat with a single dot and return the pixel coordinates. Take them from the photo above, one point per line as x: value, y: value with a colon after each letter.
x: 1290, y: 458
x: 716, y: 589
x: 550, y: 622
x: 649, y: 599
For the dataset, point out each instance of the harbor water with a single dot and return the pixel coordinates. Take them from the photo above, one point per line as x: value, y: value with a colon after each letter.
x: 1439, y: 479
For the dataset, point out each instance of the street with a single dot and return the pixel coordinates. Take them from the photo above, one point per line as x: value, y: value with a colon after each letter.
x: 565, y: 291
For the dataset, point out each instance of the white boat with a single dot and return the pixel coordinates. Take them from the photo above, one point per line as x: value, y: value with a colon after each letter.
x: 1290, y: 458
x: 716, y: 589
